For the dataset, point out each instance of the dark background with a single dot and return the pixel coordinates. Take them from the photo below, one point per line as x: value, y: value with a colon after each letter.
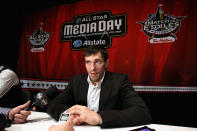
x: 166, y: 108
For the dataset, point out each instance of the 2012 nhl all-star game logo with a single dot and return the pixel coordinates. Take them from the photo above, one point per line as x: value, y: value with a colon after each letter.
x: 93, y: 29
x: 160, y: 27
x: 38, y: 39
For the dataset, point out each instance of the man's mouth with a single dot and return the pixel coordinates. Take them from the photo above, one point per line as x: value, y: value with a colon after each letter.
x: 93, y: 74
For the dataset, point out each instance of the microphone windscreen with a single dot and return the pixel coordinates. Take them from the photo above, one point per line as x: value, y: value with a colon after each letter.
x: 8, y: 79
x: 51, y: 92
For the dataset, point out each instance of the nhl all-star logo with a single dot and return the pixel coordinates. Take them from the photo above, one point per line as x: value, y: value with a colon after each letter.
x: 160, y: 27
x: 95, y: 29
x: 38, y: 39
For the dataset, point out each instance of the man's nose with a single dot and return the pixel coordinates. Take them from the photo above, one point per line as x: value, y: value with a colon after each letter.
x: 93, y: 65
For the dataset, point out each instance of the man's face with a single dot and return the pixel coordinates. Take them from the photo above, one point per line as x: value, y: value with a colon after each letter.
x: 95, y: 66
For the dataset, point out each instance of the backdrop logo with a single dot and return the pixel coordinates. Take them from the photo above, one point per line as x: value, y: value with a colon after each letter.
x: 93, y: 29
x: 160, y: 27
x: 38, y: 39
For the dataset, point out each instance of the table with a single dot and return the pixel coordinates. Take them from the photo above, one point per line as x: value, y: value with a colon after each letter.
x: 39, y: 121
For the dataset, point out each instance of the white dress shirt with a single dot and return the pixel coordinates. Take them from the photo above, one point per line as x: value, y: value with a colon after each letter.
x: 94, y: 95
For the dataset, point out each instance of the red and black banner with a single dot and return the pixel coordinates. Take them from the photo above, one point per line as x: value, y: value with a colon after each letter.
x: 153, y: 42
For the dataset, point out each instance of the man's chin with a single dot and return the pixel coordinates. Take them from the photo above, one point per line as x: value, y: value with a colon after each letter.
x: 94, y: 79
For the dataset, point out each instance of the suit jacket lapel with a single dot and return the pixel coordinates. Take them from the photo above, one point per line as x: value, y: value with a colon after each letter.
x: 84, y: 91
x: 105, y: 91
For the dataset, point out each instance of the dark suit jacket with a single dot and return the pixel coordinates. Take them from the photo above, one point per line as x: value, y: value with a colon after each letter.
x: 119, y: 104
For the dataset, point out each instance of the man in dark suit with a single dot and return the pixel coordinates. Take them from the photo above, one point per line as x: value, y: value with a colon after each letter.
x: 100, y: 97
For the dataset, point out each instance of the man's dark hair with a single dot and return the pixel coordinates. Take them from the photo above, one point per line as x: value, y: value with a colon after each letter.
x: 91, y: 50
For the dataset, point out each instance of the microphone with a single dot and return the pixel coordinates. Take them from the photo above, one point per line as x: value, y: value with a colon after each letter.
x: 4, y: 90
x: 41, y: 99
x: 8, y: 79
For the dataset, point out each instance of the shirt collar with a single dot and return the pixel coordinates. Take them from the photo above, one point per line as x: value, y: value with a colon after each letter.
x: 99, y: 83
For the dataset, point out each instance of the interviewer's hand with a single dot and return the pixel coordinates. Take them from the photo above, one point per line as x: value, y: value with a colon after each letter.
x: 84, y: 115
x: 65, y: 126
x: 18, y: 115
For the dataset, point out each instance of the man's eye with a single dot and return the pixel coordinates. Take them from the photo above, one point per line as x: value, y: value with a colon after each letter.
x: 87, y: 62
x: 97, y: 62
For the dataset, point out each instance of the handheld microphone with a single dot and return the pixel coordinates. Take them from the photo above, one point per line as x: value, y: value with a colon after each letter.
x: 4, y: 90
x: 41, y: 99
x: 8, y: 79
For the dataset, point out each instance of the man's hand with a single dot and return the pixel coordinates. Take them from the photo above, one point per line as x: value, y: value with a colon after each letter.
x: 84, y: 115
x: 18, y: 115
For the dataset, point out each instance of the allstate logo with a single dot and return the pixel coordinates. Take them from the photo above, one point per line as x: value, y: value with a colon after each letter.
x: 77, y: 43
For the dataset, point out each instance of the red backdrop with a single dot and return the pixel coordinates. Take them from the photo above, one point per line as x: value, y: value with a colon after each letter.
x: 145, y: 63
